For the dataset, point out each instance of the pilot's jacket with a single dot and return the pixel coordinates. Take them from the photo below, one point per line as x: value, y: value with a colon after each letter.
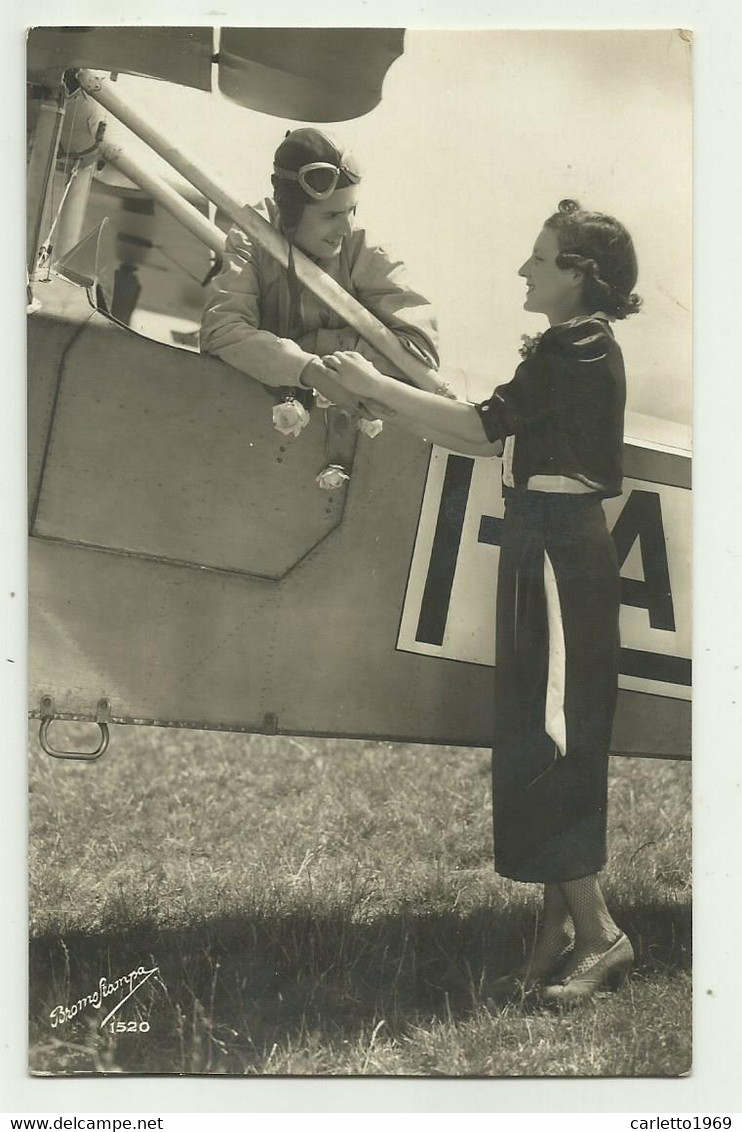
x: 246, y: 319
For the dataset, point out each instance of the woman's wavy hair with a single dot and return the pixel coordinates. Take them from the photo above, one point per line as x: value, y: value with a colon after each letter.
x: 600, y: 247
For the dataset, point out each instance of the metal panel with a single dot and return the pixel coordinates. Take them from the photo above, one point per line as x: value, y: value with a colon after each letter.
x: 310, y: 655
x: 655, y: 466
x: 179, y: 55
x: 308, y: 74
x: 159, y: 453
x: 168, y: 643
x: 50, y: 333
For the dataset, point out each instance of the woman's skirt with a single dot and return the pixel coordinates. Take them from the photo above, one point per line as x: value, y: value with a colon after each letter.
x: 557, y: 648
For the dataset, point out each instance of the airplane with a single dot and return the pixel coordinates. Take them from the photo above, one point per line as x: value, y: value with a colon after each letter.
x: 184, y: 568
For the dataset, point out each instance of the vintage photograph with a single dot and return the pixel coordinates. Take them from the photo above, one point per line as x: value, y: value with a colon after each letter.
x: 359, y: 568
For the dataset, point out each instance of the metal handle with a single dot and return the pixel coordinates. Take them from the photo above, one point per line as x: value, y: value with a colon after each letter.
x: 47, y: 718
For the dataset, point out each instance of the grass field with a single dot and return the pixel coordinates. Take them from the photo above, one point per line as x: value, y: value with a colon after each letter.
x: 329, y: 907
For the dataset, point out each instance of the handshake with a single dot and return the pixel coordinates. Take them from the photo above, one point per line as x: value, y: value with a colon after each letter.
x: 351, y: 382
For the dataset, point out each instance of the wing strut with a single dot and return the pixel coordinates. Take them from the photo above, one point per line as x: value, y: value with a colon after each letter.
x: 164, y: 194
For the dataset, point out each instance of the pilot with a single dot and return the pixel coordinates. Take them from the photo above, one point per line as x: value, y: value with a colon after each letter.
x: 261, y: 320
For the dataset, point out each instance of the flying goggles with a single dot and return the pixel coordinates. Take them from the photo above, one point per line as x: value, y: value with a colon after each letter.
x: 319, y: 179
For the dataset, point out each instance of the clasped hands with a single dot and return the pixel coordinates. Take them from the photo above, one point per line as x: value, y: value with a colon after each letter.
x: 358, y: 377
x: 349, y: 380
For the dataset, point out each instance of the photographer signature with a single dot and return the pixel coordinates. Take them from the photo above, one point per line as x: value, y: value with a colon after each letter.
x: 130, y: 983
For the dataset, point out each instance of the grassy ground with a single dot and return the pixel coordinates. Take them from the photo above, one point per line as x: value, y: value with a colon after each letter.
x: 327, y: 907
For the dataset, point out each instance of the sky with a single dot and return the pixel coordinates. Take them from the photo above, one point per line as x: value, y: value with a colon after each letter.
x: 477, y: 137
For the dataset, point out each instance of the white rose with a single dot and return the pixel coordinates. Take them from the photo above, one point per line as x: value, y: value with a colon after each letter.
x: 290, y: 417
x: 370, y: 428
x: 322, y: 402
x: 332, y: 477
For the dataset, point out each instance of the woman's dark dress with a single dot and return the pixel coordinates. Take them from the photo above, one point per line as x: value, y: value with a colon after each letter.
x: 558, y: 599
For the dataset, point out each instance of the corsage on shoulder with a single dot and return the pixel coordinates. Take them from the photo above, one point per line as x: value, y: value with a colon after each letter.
x: 529, y: 344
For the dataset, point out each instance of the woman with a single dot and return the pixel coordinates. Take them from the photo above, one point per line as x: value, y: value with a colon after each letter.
x: 559, y: 427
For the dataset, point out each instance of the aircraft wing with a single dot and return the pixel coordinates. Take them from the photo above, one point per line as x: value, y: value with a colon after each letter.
x: 176, y: 54
x: 308, y: 74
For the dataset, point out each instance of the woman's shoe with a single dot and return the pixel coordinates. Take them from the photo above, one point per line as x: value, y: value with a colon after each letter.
x: 528, y: 977
x: 609, y: 971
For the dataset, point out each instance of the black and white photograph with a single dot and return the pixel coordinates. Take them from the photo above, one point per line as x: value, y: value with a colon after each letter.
x: 359, y: 567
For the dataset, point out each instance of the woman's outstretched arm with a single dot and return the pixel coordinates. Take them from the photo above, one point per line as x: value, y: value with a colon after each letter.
x: 451, y: 424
